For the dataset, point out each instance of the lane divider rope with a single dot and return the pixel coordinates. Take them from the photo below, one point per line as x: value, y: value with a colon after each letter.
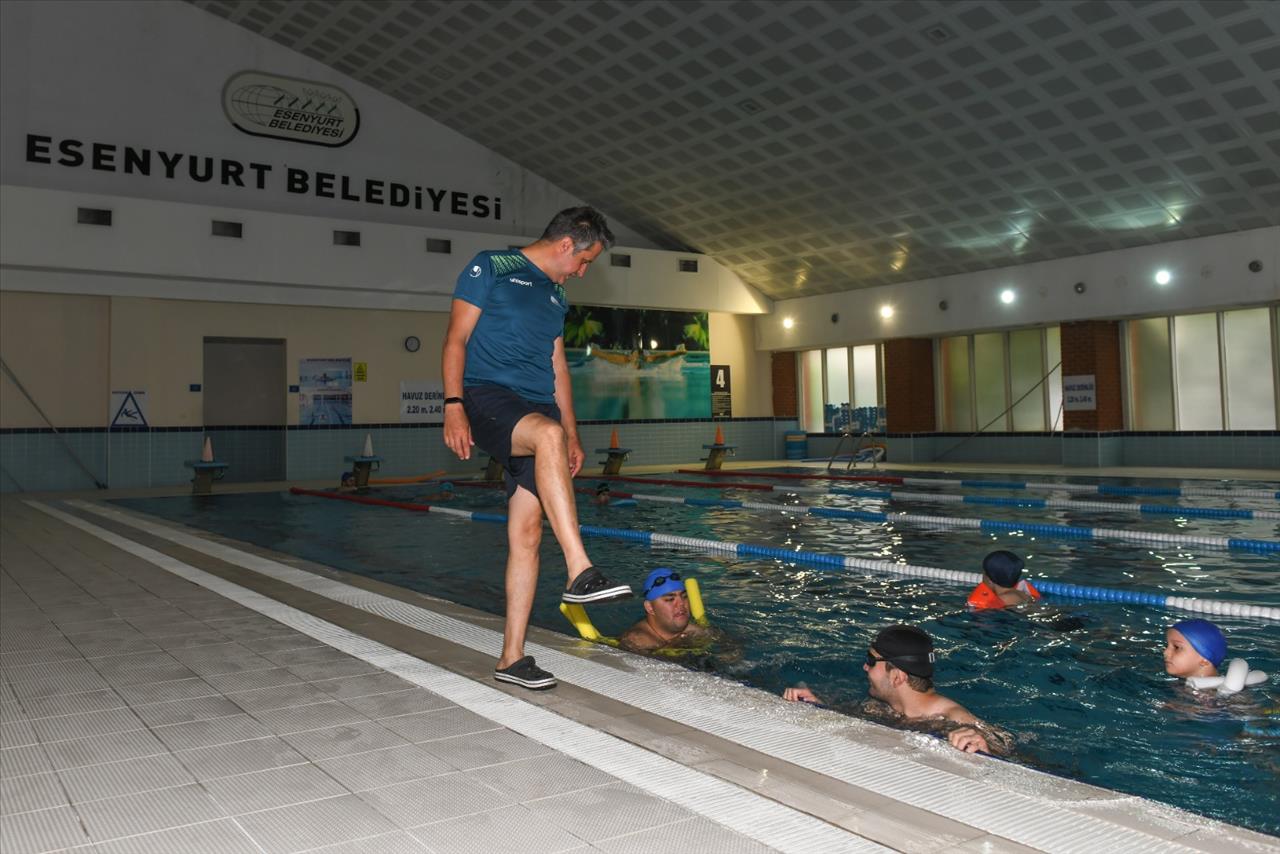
x: 965, y: 498
x: 1101, y: 489
x: 827, y: 559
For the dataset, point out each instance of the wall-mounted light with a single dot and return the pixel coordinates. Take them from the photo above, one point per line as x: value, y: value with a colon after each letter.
x: 886, y: 311
x: 788, y: 322
x: 1163, y: 277
x: 653, y: 344
x: 1080, y: 287
x: 1007, y: 296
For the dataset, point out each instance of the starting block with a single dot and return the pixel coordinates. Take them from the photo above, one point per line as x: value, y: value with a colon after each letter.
x: 361, y: 466
x: 613, y: 462
x: 716, y: 454
x: 206, y: 472
x: 493, y: 471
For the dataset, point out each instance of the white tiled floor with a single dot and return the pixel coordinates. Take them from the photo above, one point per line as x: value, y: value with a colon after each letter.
x: 142, y: 713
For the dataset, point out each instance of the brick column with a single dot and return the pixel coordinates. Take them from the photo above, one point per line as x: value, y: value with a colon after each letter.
x: 1093, y: 347
x: 786, y: 402
x: 908, y: 385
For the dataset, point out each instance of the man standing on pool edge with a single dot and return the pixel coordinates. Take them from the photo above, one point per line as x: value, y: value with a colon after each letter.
x: 506, y: 385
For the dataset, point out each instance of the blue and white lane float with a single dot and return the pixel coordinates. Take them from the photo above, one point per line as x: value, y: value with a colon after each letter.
x: 1059, y: 503
x: 1044, y: 530
x: 965, y: 498
x: 827, y: 559
x: 1099, y: 488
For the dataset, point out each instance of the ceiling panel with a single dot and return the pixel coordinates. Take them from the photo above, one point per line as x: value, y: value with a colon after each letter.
x: 815, y: 147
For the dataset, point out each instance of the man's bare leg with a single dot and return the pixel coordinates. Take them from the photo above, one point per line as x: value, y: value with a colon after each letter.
x: 524, y: 535
x: 544, y: 439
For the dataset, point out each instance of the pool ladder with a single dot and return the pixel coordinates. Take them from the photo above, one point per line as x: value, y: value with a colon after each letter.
x: 876, y: 455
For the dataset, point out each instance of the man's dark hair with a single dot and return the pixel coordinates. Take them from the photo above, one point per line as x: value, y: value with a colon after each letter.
x: 919, y: 684
x: 585, y: 225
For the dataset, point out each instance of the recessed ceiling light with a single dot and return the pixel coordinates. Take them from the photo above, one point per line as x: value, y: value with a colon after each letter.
x: 1007, y: 296
x: 886, y: 311
x: 1163, y: 277
x: 653, y: 343
x: 788, y: 322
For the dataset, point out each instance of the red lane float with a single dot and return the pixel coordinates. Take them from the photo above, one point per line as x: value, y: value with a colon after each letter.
x: 361, y: 499
x: 872, y: 478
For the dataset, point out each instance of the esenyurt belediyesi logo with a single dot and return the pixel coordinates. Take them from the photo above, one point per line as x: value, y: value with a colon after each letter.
x: 288, y: 108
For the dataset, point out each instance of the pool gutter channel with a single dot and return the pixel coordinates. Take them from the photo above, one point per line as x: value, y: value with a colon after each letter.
x: 954, y: 793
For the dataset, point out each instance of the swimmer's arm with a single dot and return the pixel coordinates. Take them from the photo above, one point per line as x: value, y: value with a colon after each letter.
x: 976, y: 734
x: 463, y: 318
x: 564, y: 400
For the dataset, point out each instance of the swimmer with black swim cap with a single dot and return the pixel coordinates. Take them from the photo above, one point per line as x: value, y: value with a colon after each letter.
x: 1194, y: 648
x: 602, y: 494
x: 1002, y: 583
x: 899, y: 668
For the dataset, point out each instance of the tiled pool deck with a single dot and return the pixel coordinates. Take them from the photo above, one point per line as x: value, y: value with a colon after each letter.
x: 164, y: 690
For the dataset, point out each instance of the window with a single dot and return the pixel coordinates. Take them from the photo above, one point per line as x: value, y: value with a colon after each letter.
x: 1000, y: 381
x: 840, y: 389
x: 226, y: 228
x: 1208, y: 371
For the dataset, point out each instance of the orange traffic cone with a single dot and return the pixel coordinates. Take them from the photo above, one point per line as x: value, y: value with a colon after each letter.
x: 206, y: 455
x: 613, y: 439
x: 719, y: 435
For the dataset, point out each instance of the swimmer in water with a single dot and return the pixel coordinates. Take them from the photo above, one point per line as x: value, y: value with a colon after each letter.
x: 602, y: 494
x: 899, y: 668
x: 667, y: 620
x: 347, y: 483
x: 1194, y: 648
x: 1002, y: 583
x: 445, y: 493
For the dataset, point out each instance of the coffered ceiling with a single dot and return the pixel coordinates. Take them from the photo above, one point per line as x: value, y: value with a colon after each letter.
x: 815, y: 147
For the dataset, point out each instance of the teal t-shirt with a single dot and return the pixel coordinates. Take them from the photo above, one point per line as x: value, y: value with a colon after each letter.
x: 521, y: 316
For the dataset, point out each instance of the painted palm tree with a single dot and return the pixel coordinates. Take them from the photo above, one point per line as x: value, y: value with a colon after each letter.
x: 580, y: 329
x: 697, y: 331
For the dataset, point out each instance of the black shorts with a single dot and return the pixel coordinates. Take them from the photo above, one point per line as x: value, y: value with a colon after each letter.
x: 494, y: 412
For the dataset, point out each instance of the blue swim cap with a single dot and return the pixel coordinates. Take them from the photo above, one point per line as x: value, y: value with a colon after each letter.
x: 660, y: 582
x: 446, y: 486
x: 1205, y: 638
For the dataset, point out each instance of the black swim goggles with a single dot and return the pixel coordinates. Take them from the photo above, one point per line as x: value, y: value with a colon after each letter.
x: 661, y: 580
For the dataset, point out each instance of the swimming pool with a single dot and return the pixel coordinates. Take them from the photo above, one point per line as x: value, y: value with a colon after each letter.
x: 1091, y: 703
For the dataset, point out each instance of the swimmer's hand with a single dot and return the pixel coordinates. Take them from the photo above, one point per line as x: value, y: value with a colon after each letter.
x: 457, y: 431
x: 800, y: 695
x: 969, y: 740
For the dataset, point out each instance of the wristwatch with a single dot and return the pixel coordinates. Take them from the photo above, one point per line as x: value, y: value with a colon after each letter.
x: 449, y: 400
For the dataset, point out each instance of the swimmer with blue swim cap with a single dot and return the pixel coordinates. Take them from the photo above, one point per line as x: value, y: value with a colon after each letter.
x: 667, y: 616
x: 445, y: 493
x: 1194, y: 648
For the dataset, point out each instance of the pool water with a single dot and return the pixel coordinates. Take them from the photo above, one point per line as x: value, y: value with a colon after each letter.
x: 1091, y: 703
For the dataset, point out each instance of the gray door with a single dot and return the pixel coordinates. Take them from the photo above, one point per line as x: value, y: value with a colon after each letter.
x: 245, y: 405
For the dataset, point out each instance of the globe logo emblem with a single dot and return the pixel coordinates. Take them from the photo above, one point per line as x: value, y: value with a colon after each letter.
x: 263, y: 104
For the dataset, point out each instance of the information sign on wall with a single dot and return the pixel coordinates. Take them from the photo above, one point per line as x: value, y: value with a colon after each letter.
x: 1079, y: 392
x: 128, y: 409
x: 421, y: 402
x: 721, y: 392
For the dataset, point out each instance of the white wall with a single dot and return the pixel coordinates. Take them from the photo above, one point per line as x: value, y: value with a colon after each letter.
x: 165, y: 249
x: 1208, y: 273
x: 150, y: 73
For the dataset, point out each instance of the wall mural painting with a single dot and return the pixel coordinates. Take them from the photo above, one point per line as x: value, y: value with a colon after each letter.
x: 638, y: 363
